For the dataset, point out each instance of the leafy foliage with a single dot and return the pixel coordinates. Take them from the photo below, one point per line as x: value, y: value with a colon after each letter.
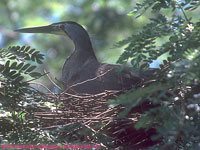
x: 15, y: 66
x: 18, y: 100
x: 175, y: 88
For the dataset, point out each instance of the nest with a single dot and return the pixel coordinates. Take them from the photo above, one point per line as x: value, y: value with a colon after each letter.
x: 91, y: 119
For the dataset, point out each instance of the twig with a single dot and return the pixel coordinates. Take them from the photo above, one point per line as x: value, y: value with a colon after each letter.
x: 88, y: 80
x: 44, y: 87
x: 52, y: 80
x: 186, y: 18
x: 112, y: 92
x: 38, y: 77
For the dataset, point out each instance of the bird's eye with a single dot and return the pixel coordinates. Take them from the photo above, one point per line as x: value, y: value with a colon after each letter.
x: 62, y: 26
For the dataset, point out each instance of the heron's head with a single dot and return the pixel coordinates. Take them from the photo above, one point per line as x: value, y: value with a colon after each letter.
x: 68, y: 28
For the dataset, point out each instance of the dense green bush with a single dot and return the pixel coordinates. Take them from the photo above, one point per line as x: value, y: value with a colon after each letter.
x: 176, y: 86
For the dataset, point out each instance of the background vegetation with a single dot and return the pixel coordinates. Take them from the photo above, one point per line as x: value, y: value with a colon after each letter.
x: 151, y: 33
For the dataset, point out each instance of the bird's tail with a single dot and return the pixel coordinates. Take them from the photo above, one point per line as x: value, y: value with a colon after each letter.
x: 148, y: 73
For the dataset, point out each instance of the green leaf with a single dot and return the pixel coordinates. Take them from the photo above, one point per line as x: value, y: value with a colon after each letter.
x: 6, y: 70
x: 20, y: 65
x: 18, y: 79
x: 39, y: 61
x: 13, y: 65
x: 7, y: 64
x: 25, y: 67
x: 14, y: 48
x: 1, y: 68
x: 33, y: 57
x: 12, y: 73
x: 35, y: 74
x: 36, y: 53
x: 12, y: 57
x: 31, y: 51
x: 22, y: 48
x: 27, y: 57
x: 31, y: 68
x: 27, y: 48
x: 15, y: 76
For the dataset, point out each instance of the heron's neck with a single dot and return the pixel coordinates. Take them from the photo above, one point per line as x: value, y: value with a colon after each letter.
x: 84, y: 48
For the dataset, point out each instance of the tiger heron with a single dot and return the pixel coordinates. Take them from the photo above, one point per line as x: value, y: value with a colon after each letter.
x: 82, y: 72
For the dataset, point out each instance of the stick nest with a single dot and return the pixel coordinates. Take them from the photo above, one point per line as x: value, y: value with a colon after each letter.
x: 90, y: 119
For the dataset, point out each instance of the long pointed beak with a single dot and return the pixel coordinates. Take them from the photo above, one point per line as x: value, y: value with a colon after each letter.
x: 50, y: 29
x: 41, y: 29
